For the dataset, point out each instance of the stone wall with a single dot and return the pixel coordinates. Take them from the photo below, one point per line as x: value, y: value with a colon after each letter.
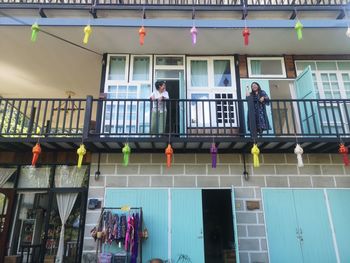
x: 194, y: 171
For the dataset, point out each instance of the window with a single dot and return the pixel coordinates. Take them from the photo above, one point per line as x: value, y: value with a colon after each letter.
x: 117, y: 68
x: 266, y: 67
x: 141, y: 69
x: 211, y: 78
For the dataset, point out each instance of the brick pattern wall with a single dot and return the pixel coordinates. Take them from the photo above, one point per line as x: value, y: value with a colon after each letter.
x: 194, y: 171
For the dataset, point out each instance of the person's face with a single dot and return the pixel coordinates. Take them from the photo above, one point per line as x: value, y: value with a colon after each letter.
x: 162, y: 87
x: 255, y: 87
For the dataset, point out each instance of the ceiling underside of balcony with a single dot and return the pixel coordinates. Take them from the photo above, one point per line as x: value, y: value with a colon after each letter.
x: 50, y: 67
x: 180, y: 145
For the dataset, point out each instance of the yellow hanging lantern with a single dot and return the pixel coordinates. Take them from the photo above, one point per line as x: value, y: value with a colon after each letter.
x: 255, y: 152
x: 87, y: 33
x: 81, y: 152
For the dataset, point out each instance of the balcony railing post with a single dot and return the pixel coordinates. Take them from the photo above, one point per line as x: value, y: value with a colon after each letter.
x: 251, y: 117
x: 31, y: 121
x: 87, y: 117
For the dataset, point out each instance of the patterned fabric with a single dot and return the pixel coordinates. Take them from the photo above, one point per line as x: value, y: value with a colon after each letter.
x: 261, y: 119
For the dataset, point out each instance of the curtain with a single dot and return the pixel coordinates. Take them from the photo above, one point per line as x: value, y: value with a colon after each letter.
x: 199, y: 73
x: 32, y: 177
x: 66, y: 176
x: 141, y: 68
x: 117, y: 68
x: 222, y: 73
x: 5, y: 174
x: 256, y: 67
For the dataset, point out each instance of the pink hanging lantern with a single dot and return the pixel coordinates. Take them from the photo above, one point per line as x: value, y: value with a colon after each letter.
x: 194, y: 35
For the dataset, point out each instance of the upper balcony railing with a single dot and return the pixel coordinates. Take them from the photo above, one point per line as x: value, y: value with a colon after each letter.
x: 192, y: 3
x: 117, y: 119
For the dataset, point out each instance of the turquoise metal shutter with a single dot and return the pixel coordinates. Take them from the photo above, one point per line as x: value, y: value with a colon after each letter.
x: 281, y: 226
x: 187, y: 225
x: 235, y: 224
x: 339, y: 206
x: 264, y: 84
x: 312, y: 216
x: 308, y: 111
x: 154, y: 203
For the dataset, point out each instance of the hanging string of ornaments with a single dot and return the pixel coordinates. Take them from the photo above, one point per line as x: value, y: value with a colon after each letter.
x: 126, y: 150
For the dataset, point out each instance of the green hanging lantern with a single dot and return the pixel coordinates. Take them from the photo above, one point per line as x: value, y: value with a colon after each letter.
x: 299, y: 29
x: 35, y: 30
x: 126, y: 151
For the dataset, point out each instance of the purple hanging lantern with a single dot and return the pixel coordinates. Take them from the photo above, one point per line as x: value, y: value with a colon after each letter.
x: 213, y: 151
x: 194, y: 35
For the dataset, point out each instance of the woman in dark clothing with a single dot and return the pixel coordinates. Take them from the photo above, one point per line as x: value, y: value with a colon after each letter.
x: 260, y: 100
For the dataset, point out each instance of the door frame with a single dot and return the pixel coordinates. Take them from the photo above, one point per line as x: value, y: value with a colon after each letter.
x: 10, y: 193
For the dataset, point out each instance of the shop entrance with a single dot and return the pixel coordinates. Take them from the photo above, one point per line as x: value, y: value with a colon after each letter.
x: 218, y: 226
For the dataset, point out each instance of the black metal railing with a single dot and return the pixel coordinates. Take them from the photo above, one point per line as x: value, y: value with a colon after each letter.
x: 41, y: 117
x: 143, y: 118
x: 115, y: 3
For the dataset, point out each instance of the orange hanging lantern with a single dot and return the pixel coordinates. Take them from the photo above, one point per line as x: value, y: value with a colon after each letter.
x: 169, y: 154
x: 246, y: 33
x: 344, y: 151
x: 142, y: 34
x: 36, y: 152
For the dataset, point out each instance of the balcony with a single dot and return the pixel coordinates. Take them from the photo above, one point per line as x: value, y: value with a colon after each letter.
x: 104, y: 125
x: 207, y: 5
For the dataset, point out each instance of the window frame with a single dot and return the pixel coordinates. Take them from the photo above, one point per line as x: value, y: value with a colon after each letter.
x: 281, y: 59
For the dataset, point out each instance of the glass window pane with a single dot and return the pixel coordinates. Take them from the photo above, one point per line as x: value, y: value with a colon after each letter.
x: 344, y: 65
x: 301, y: 65
x: 346, y: 77
x: 266, y: 67
x: 34, y: 177
x: 222, y: 73
x: 112, y: 89
x: 169, y: 61
x: 328, y: 94
x: 199, y: 73
x: 141, y: 68
x: 7, y: 177
x: 70, y: 176
x: 164, y: 74
x: 333, y: 77
x: 117, y: 68
x: 145, y: 91
x: 324, y: 77
x: 198, y: 116
x: 326, y: 65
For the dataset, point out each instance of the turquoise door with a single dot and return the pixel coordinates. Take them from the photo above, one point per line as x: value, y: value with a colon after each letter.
x: 308, y: 111
x: 339, y: 206
x: 317, y: 244
x: 235, y: 224
x: 281, y: 226
x: 154, y: 203
x: 264, y: 84
x: 187, y: 225
x: 298, y: 226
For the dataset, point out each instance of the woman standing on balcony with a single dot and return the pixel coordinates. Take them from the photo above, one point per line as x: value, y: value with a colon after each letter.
x: 159, y: 111
x: 260, y: 100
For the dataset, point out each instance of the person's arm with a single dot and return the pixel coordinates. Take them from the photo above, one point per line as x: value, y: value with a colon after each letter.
x: 264, y: 98
x: 152, y: 97
x: 247, y: 93
x: 165, y: 95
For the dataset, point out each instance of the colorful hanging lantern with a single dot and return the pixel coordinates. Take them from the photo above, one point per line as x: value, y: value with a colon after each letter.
x: 299, y: 151
x: 246, y: 33
x: 194, y: 35
x: 142, y: 34
x: 35, y: 30
x: 213, y: 151
x: 344, y: 151
x: 36, y: 152
x: 87, y: 33
x: 255, y: 152
x: 81, y: 152
x: 126, y: 151
x: 299, y: 29
x: 348, y: 32
x: 169, y: 154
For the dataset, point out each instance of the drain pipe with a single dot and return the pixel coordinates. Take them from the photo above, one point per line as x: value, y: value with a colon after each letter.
x: 245, y: 173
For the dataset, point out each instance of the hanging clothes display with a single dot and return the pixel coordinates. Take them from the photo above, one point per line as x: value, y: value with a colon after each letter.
x: 121, y: 230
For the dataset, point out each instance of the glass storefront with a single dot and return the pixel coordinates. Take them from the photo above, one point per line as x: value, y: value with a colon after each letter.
x: 48, y: 213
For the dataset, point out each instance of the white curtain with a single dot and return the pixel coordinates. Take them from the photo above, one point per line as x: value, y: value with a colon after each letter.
x: 141, y: 68
x: 5, y: 174
x: 66, y: 176
x: 222, y: 73
x: 199, y: 73
x: 256, y: 67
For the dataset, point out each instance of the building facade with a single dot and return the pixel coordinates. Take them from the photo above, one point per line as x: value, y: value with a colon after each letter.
x: 199, y: 208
